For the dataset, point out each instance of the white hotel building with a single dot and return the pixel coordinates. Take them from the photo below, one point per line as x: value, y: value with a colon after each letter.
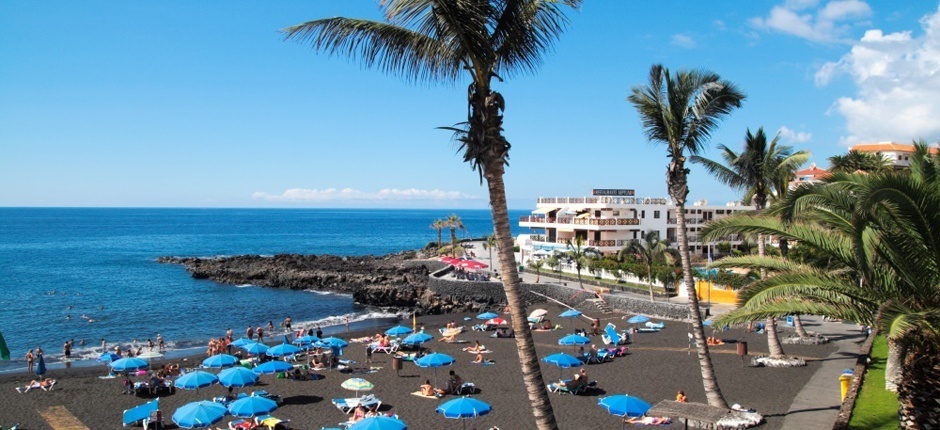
x: 609, y: 219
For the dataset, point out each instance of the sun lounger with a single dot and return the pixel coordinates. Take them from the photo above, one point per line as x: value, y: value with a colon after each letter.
x: 40, y: 385
x: 269, y: 421
x: 483, y: 327
x: 423, y: 396
x: 262, y: 393
x: 465, y: 388
x: 564, y: 389
x: 659, y: 326
x: 242, y: 425
x: 138, y: 414
x: 349, y: 404
x: 389, y: 349
x: 612, y: 337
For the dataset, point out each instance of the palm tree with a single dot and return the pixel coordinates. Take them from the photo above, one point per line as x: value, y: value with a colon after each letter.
x: 878, y: 237
x: 490, y: 243
x: 682, y: 112
x: 439, y: 41
x: 576, y: 251
x: 439, y: 225
x: 537, y: 265
x: 756, y: 171
x: 651, y: 250
x: 453, y: 222
x: 553, y: 262
x: 854, y: 161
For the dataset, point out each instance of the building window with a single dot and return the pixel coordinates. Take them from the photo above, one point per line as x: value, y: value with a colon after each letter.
x: 720, y: 211
x: 656, y: 214
x: 643, y: 214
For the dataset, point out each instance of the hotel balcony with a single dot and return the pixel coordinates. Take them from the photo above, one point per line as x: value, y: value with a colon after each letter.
x: 602, y: 200
x: 570, y: 220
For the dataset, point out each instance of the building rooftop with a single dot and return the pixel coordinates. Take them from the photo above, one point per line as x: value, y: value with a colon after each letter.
x: 888, y: 146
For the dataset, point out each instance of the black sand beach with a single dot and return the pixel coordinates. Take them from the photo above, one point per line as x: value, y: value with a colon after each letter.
x: 658, y: 366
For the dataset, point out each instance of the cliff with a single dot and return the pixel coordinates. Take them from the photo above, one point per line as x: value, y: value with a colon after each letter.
x: 394, y: 280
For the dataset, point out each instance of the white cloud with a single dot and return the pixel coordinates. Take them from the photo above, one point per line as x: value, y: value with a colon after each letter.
x: 683, y: 41
x: 897, y: 78
x: 302, y: 195
x: 790, y: 136
x: 803, y: 19
x: 720, y: 25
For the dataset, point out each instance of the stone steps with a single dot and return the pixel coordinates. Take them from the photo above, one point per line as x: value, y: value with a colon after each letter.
x: 601, y: 305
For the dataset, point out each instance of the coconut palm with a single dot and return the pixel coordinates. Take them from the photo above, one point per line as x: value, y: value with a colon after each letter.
x: 681, y: 112
x: 454, y: 222
x: 879, y: 238
x: 756, y: 171
x: 440, y: 41
x: 553, y: 262
x: 439, y: 225
x: 490, y: 243
x: 651, y: 249
x: 854, y: 161
x: 576, y: 252
x: 537, y: 265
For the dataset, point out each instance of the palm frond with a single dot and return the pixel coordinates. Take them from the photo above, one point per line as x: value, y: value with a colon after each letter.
x: 391, y: 49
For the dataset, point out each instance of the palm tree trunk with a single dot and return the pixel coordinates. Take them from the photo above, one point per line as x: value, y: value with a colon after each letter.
x: 798, y: 324
x: 649, y: 278
x: 893, y: 365
x: 773, y: 341
x: 712, y: 391
x: 531, y: 372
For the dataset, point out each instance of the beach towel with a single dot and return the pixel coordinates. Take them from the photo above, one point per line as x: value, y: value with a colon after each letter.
x: 420, y: 394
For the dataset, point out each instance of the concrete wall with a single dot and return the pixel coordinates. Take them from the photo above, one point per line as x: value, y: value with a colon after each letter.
x: 492, y: 293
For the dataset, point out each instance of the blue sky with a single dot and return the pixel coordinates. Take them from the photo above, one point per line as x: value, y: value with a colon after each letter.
x: 203, y: 104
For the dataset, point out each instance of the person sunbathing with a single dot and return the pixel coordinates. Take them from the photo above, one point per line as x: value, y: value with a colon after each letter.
x: 714, y: 341
x: 576, y: 382
x: 648, y: 421
x: 428, y: 390
x: 359, y: 414
x: 480, y: 360
x: 450, y: 337
x: 476, y: 348
x: 45, y: 384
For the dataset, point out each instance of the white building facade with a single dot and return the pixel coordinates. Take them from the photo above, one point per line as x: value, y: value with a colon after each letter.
x: 610, y: 218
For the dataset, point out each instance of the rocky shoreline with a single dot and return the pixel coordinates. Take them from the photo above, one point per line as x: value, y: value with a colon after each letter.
x: 397, y: 280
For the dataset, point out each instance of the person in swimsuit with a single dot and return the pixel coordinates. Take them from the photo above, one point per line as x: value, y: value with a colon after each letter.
x: 250, y: 333
x: 67, y: 350
x: 260, y: 332
x: 29, y: 361
x: 287, y: 323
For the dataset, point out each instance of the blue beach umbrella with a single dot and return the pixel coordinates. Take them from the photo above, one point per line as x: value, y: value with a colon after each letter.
x: 464, y: 407
x: 127, y: 364
x: 242, y: 341
x: 255, y: 348
x: 399, y: 330
x: 563, y: 361
x: 487, y: 316
x: 623, y: 405
x: 574, y: 339
x: 251, y: 406
x: 379, y: 423
x: 434, y: 361
x: 282, y: 350
x: 417, y: 339
x: 237, y: 377
x: 270, y: 367
x: 220, y: 361
x: 195, y: 380
x: 570, y: 313
x: 638, y: 319
x: 199, y: 414
x: 41, y: 366
x: 305, y: 340
x: 332, y: 342
x: 108, y: 357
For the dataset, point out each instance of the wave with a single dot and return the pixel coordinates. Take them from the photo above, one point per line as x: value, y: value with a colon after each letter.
x: 246, y: 285
x: 328, y: 293
x: 339, y: 320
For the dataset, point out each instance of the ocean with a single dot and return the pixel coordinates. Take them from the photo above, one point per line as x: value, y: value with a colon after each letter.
x: 87, y: 274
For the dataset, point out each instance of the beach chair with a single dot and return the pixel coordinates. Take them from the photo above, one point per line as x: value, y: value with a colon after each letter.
x: 465, y: 388
x: 349, y: 404
x: 270, y: 422
x: 564, y: 389
x: 658, y: 326
x: 611, y: 337
x: 390, y: 349
x: 262, y: 393
x: 141, y: 413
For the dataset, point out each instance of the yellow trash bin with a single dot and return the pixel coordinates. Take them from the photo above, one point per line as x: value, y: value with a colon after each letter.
x: 844, y: 380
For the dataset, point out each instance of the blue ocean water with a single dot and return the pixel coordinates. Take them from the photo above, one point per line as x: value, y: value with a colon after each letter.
x: 61, y: 268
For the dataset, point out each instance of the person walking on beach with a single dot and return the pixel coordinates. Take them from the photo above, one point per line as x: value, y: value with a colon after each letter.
x: 319, y: 331
x: 67, y: 351
x: 287, y: 323
x: 260, y: 332
x: 250, y: 333
x: 29, y: 361
x: 149, y: 344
